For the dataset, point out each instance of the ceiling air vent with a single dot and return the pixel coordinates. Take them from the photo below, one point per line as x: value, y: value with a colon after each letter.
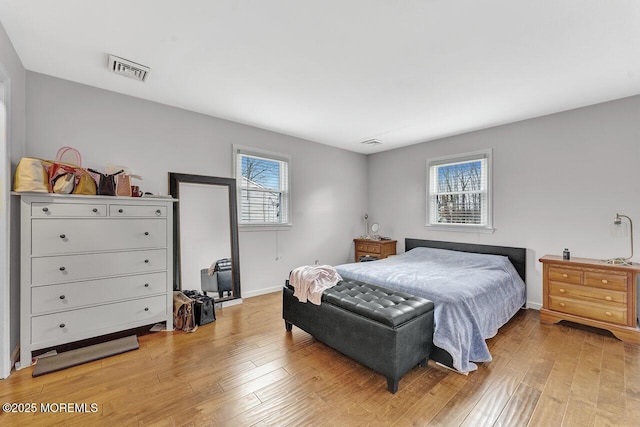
x: 128, y: 68
x: 371, y: 142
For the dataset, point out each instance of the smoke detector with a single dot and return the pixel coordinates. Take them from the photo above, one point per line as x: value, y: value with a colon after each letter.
x: 371, y: 142
x: 128, y: 68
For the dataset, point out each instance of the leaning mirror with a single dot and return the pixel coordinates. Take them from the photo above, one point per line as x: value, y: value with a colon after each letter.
x: 206, y: 255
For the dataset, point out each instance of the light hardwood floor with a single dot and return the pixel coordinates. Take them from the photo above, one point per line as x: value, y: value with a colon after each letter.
x: 244, y: 369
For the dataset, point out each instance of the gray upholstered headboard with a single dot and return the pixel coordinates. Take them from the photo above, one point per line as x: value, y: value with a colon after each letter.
x: 517, y: 256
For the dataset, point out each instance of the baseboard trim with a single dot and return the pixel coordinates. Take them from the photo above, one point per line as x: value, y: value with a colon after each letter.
x: 534, y: 305
x: 263, y: 291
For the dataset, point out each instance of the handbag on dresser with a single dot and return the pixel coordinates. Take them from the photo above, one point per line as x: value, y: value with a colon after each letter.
x: 106, y: 182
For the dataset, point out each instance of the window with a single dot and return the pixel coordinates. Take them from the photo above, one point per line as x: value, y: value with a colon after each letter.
x: 459, y: 192
x: 263, y: 187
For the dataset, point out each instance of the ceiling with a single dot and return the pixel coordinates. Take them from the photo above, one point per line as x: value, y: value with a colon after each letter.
x: 339, y: 72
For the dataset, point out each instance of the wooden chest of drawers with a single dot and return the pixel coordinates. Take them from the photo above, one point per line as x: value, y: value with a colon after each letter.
x: 591, y: 292
x: 374, y: 248
x: 92, y: 265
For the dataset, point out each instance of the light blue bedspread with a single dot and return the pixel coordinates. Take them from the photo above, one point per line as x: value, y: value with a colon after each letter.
x: 473, y: 294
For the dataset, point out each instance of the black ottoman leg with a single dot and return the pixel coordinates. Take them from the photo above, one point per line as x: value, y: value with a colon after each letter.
x: 423, y: 362
x: 288, y: 326
x: 392, y: 385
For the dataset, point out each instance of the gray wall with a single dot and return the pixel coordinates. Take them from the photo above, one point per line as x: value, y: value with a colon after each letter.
x: 328, y: 184
x: 11, y: 68
x: 558, y: 182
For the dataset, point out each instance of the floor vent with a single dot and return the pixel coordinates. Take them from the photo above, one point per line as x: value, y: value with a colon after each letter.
x: 128, y: 68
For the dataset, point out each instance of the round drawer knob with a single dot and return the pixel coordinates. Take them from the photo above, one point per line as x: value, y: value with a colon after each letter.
x: 605, y: 281
x: 62, y: 325
x: 146, y: 261
x: 146, y: 285
x: 94, y: 210
x: 63, y: 236
x: 146, y: 309
x: 158, y: 212
x: 62, y: 297
x: 565, y: 276
x: 146, y: 233
x: 45, y: 209
x: 563, y: 304
x: 120, y: 210
x: 562, y: 291
x: 62, y: 268
x: 608, y: 313
x: 608, y: 298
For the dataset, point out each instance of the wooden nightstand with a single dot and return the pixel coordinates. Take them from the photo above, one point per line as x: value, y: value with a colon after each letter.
x: 591, y: 292
x: 374, y: 248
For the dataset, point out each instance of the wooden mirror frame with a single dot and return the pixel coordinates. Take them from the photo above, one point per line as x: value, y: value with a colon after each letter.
x: 175, y: 179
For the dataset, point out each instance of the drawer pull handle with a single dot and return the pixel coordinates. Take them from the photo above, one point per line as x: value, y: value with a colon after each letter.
x: 563, y: 304
x: 62, y: 269
x: 146, y: 233
x: 62, y: 325
x: 562, y: 291
x: 146, y: 261
x: 565, y: 275
x: 120, y: 210
x: 158, y: 212
x: 94, y: 210
x: 146, y: 285
x: 146, y: 309
x: 62, y: 297
x: 608, y: 298
x: 45, y: 209
x: 63, y: 236
x: 608, y: 313
x: 605, y: 281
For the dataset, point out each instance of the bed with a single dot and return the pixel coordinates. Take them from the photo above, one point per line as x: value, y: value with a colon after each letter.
x: 476, y: 289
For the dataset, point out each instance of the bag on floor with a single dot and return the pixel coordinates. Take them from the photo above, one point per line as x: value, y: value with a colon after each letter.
x: 203, y: 307
x: 183, y: 312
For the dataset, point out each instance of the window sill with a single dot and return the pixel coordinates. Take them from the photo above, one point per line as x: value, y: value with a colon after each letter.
x: 266, y: 227
x: 460, y: 228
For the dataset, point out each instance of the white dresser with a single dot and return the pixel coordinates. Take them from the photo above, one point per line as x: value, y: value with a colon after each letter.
x: 92, y: 265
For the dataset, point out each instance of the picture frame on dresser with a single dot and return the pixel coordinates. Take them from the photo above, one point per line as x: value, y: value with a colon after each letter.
x: 92, y: 266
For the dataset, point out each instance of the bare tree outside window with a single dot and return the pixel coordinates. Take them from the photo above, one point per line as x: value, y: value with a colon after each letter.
x: 458, y: 192
x: 261, y: 190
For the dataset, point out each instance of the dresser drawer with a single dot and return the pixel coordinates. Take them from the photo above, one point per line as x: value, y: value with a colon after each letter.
x: 64, y: 236
x: 137, y: 210
x: 67, y: 296
x: 606, y: 280
x: 52, y: 210
x: 612, y: 312
x: 73, y: 325
x: 577, y: 291
x: 565, y: 275
x: 68, y: 268
x: 369, y: 249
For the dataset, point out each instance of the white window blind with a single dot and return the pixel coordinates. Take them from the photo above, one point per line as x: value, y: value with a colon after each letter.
x: 263, y: 185
x: 459, y: 191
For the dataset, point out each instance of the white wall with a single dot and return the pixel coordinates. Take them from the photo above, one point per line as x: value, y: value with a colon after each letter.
x: 12, y: 74
x: 328, y: 184
x: 558, y: 182
x: 12, y: 79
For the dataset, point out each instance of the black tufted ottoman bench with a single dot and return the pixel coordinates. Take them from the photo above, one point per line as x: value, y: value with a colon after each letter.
x: 387, y: 331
